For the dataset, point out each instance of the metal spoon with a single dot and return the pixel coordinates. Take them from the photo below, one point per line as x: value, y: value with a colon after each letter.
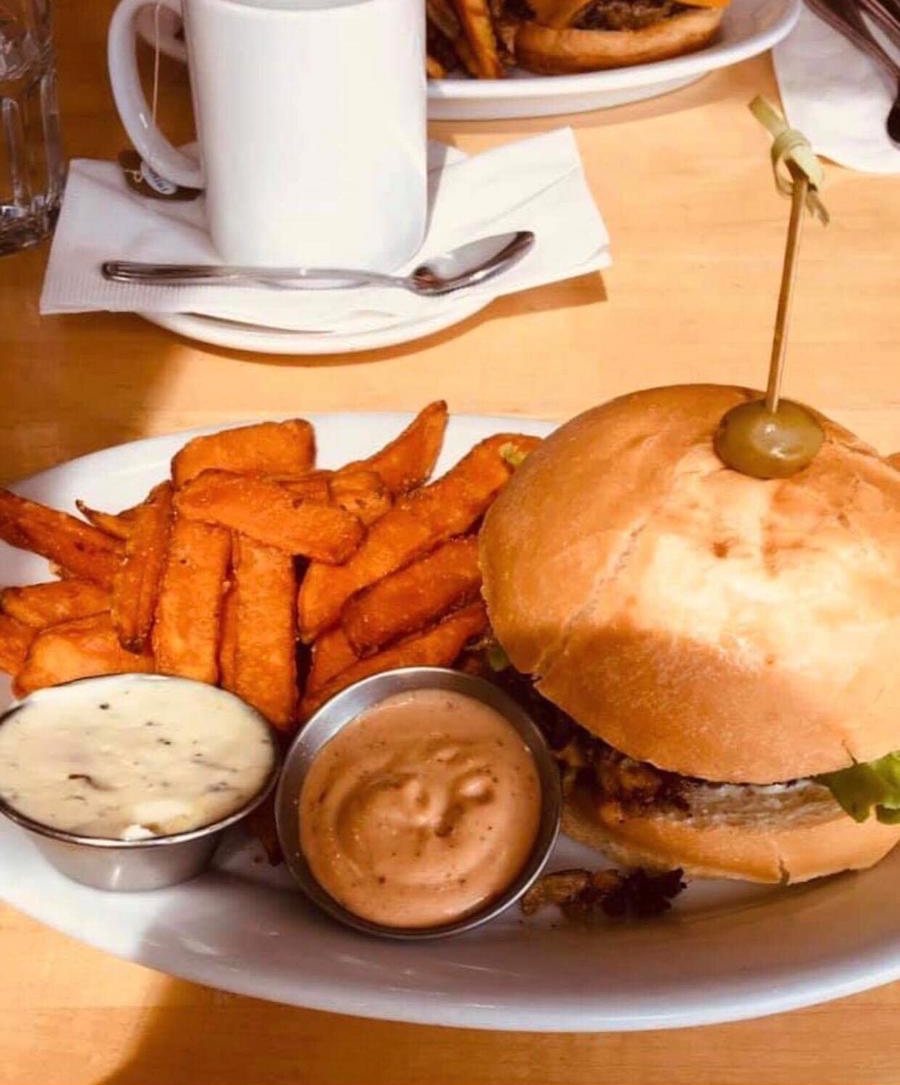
x: 468, y: 265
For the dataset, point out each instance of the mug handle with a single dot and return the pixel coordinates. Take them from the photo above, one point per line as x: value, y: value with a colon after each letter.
x: 148, y: 141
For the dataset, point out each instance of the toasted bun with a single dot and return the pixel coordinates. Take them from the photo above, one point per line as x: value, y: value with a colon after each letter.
x: 563, y: 51
x: 713, y: 624
x: 792, y: 842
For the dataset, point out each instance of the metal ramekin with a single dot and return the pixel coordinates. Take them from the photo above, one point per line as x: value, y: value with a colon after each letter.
x: 130, y: 865
x: 344, y: 708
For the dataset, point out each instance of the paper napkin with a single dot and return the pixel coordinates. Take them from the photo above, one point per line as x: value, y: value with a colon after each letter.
x: 534, y: 184
x: 837, y: 96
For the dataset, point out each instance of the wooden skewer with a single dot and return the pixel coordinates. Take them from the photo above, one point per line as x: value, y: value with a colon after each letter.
x: 785, y: 296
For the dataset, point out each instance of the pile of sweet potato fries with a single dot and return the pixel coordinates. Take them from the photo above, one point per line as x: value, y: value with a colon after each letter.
x: 251, y: 569
x: 472, y: 36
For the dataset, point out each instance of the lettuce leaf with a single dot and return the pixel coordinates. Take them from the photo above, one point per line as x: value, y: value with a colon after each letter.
x: 497, y: 658
x: 869, y: 784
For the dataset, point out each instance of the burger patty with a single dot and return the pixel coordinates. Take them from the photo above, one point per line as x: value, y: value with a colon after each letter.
x: 626, y: 14
x: 632, y: 785
x: 635, y: 787
x: 588, y: 760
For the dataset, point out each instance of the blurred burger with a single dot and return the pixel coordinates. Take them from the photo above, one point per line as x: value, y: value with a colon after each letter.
x: 720, y: 655
x: 569, y: 36
x: 487, y: 38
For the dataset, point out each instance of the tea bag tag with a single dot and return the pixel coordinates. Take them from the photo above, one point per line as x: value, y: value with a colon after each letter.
x: 143, y: 179
x: 139, y: 175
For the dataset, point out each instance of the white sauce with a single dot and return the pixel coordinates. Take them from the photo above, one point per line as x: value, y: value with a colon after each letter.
x: 132, y: 757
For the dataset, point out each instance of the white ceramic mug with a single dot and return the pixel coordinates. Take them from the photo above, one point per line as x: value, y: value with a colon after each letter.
x: 310, y: 116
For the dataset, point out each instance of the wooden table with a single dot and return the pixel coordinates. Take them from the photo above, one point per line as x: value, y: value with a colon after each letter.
x: 697, y: 232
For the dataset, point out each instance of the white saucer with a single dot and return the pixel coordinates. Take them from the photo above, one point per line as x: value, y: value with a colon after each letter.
x: 262, y: 340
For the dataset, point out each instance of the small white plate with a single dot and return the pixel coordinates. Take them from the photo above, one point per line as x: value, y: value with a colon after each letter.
x: 726, y: 951
x: 748, y: 28
x: 262, y: 340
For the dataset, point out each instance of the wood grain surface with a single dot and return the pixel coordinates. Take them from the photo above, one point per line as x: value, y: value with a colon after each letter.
x: 697, y: 233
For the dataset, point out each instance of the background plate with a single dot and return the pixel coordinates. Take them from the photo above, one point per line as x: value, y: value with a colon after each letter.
x: 727, y: 951
x: 748, y: 28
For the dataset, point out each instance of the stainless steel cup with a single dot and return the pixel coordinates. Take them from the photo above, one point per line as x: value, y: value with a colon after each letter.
x: 128, y: 865
x: 343, y: 709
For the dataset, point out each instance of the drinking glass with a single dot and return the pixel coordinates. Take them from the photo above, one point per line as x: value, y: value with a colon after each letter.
x: 32, y: 168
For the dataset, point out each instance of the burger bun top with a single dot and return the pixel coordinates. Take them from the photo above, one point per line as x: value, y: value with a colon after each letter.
x: 716, y: 625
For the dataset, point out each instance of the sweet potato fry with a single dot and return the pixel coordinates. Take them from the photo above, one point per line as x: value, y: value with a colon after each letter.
x: 135, y: 585
x: 264, y: 448
x: 475, y: 17
x: 416, y: 524
x: 228, y: 638
x: 437, y: 647
x: 265, y: 666
x: 311, y: 486
x: 81, y: 648
x: 15, y: 640
x: 414, y: 597
x: 445, y: 38
x: 261, y: 822
x: 894, y: 460
x: 188, y: 613
x: 441, y: 13
x: 466, y: 54
x: 41, y: 605
x: 358, y: 491
x: 409, y: 459
x: 506, y: 24
x: 362, y: 493
x: 117, y: 524
x: 269, y: 513
x: 331, y: 654
x: 73, y: 545
x: 397, y: 538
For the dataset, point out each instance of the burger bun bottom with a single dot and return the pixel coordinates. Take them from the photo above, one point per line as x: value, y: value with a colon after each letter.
x: 775, y: 850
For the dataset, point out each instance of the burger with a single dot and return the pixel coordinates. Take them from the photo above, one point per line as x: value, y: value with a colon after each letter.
x: 719, y: 655
x: 570, y: 36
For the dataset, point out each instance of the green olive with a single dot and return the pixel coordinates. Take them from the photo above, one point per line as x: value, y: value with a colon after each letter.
x: 757, y: 442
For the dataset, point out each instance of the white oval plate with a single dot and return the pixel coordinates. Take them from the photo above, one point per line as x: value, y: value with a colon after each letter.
x: 727, y: 951
x: 748, y: 28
